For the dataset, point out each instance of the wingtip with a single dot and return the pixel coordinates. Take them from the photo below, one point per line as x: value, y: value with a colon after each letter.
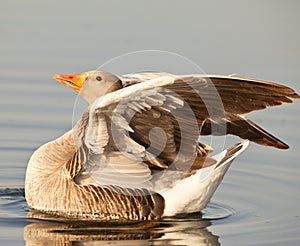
x: 275, y: 144
x: 278, y: 144
x: 282, y: 146
x: 296, y: 96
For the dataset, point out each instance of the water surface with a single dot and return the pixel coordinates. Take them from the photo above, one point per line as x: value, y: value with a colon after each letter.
x: 258, y: 201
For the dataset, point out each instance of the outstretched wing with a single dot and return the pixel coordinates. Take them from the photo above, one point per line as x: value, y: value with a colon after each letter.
x: 157, y: 123
x: 239, y: 95
x: 220, y: 101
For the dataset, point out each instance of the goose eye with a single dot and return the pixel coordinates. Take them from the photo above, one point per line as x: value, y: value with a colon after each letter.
x: 98, y: 78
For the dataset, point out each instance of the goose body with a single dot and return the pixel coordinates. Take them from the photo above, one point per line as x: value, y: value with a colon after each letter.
x: 135, y: 152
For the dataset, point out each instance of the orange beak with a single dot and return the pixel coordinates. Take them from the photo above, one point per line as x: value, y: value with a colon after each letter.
x: 74, y: 81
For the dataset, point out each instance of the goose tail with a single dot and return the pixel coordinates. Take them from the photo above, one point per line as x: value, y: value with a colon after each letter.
x: 193, y: 193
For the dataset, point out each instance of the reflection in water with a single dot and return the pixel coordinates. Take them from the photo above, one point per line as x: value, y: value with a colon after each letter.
x: 48, y: 229
x: 191, y: 230
x: 64, y: 234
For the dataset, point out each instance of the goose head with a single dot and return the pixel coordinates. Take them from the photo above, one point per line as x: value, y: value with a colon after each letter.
x: 90, y: 85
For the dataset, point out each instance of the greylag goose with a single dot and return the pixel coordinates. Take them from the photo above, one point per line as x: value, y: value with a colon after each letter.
x: 135, y: 153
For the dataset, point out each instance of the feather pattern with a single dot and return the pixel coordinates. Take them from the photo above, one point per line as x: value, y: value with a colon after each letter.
x: 219, y: 101
x: 134, y: 154
x: 101, y: 166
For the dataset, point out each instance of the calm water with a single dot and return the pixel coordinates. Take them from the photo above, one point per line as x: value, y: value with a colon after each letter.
x: 258, y: 201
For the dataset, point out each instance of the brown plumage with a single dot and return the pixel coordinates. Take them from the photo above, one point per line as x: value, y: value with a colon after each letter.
x: 137, y: 144
x: 238, y: 96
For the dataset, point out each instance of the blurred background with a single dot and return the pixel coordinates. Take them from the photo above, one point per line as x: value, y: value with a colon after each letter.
x: 257, y: 39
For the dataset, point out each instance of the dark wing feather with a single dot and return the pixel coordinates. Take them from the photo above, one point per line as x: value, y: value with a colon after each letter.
x: 244, y: 128
x: 243, y: 95
x: 238, y: 95
x: 219, y: 101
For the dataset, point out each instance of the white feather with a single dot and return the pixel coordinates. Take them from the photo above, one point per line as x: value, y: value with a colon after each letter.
x: 196, y: 190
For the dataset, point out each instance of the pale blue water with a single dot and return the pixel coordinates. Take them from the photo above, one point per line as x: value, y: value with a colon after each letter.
x: 258, y: 201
